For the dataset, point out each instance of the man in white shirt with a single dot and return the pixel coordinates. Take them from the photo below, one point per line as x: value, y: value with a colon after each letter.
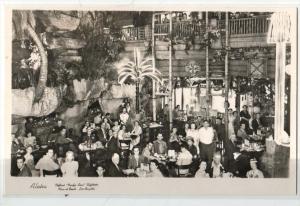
x: 124, y: 116
x: 207, y: 144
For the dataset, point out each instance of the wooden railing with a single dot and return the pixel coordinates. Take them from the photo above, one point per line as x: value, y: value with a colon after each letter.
x: 245, y: 26
x: 237, y: 27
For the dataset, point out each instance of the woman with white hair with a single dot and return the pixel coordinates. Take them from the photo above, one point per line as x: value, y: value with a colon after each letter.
x: 70, y: 167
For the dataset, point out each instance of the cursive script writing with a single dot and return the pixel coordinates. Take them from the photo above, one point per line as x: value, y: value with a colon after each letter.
x: 38, y: 186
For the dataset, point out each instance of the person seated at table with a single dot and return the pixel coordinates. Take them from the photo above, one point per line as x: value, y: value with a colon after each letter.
x: 29, y: 161
x: 242, y: 164
x: 16, y: 145
x: 108, y: 117
x: 184, y: 158
x: 100, y: 170
x: 136, y: 159
x: 174, y: 141
x: 216, y: 169
x: 136, y: 134
x: 159, y: 145
x: 58, y: 127
x: 183, y: 131
x: 254, y: 172
x: 24, y: 170
x: 116, y: 127
x: 148, y: 151
x: 106, y: 123
x: 112, y: 144
x: 220, y: 129
x: 90, y: 137
x: 98, y: 119
x: 102, y: 133
x: 255, y: 123
x: 242, y: 134
x: 72, y: 136
x: 113, y: 169
x: 85, y: 127
x: 122, y: 134
x: 154, y: 169
x: 207, y: 144
x: 86, y: 168
x: 194, y: 133
x: 70, y: 167
x: 191, y: 147
x: 201, y: 172
x: 61, y: 138
x: 100, y: 154
x: 30, y: 140
x: 47, y: 162
x: 124, y: 116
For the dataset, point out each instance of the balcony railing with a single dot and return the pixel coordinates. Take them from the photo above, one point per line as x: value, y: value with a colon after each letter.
x: 247, y: 26
x: 237, y: 27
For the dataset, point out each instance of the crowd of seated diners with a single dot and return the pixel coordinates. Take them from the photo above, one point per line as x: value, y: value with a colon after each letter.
x: 119, y: 147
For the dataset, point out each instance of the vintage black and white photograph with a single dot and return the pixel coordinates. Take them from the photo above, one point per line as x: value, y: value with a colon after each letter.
x: 151, y: 94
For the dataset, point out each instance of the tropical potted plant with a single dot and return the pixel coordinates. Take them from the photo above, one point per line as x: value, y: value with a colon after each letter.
x: 137, y: 70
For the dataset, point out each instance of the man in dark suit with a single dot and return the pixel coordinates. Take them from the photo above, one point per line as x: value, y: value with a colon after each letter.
x: 256, y: 123
x: 230, y: 148
x: 242, y: 164
x: 102, y: 134
x: 114, y: 170
x: 113, y: 144
x: 24, y: 170
x: 136, y: 159
x: 220, y: 129
x: 58, y: 127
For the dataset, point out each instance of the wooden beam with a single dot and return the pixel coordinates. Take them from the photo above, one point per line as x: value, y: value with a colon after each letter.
x: 207, y: 70
x: 279, y: 91
x: 154, y: 66
x: 170, y: 75
x: 226, y: 76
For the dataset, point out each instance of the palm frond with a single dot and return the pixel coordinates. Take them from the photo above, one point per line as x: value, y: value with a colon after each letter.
x: 152, y: 76
x: 126, y: 69
x: 123, y: 78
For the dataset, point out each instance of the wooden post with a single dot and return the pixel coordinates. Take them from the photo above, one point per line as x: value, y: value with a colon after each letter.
x: 170, y: 74
x: 238, y: 99
x: 226, y: 77
x: 207, y: 70
x: 279, y: 91
x: 154, y: 66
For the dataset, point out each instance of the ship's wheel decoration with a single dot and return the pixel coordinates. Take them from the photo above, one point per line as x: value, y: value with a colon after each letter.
x: 193, y: 70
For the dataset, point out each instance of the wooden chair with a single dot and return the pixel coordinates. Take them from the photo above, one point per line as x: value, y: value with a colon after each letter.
x: 124, y: 144
x: 183, y: 170
x: 55, y: 173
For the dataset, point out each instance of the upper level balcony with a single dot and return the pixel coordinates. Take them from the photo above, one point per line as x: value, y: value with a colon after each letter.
x: 243, y: 32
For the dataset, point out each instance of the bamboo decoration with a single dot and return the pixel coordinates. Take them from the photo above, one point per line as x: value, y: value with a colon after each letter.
x: 279, y: 32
